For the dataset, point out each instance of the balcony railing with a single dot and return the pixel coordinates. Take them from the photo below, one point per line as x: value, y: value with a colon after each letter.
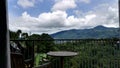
x: 92, y: 53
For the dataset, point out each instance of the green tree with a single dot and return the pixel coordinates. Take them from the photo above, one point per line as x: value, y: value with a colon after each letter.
x: 46, y: 43
x: 34, y: 37
x: 13, y: 35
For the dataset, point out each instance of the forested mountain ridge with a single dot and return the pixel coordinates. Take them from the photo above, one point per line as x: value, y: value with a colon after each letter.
x: 95, y: 33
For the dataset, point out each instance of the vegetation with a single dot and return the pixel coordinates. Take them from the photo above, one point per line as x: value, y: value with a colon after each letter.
x: 40, y: 47
x: 92, y: 53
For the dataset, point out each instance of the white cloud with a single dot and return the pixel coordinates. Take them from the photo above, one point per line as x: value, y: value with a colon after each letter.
x: 26, y: 3
x: 89, y: 18
x: 49, y: 22
x: 63, y: 5
x: 84, y: 1
x: 53, y: 19
x: 106, y: 15
x: 44, y: 21
x: 58, y: 20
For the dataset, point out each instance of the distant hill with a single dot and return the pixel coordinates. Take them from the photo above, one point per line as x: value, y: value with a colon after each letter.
x: 95, y: 33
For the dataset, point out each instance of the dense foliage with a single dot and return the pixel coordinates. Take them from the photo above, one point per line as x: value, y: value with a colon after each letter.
x: 42, y: 46
x: 92, y: 53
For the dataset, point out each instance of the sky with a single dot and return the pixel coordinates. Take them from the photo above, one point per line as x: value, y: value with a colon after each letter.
x: 51, y: 16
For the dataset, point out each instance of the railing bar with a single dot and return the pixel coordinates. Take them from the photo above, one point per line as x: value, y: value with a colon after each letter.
x: 82, y: 63
x: 87, y: 63
x: 79, y: 64
x: 110, y: 63
x: 114, y: 63
x: 117, y: 63
x: 57, y: 63
x: 61, y: 39
x: 33, y: 52
x: 68, y: 63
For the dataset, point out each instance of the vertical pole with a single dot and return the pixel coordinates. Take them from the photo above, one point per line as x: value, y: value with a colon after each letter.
x: 119, y: 12
x: 62, y: 62
x: 119, y: 22
x: 33, y: 53
x: 4, y: 48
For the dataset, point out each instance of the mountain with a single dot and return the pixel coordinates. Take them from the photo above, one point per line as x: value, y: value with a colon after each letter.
x: 94, y: 33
